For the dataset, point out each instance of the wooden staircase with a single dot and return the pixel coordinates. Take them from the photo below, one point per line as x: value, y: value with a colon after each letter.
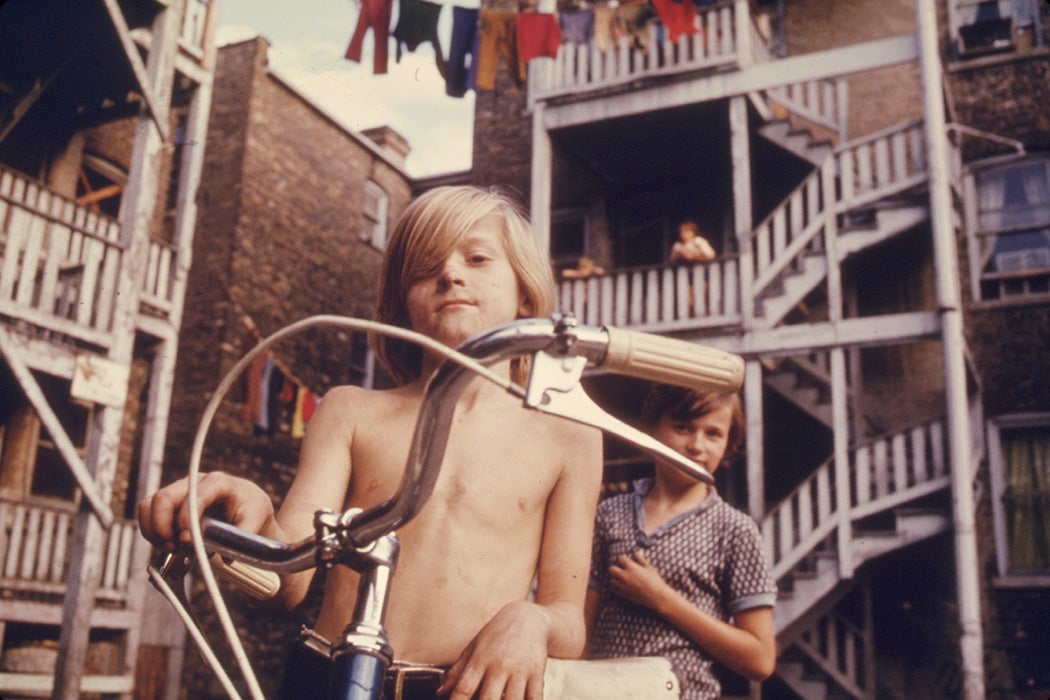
x: 815, y: 543
x: 817, y: 224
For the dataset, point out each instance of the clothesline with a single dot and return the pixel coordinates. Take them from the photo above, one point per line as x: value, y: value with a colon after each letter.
x: 481, y: 37
x: 268, y: 390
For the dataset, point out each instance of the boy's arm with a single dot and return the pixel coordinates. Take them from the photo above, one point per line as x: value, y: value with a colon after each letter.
x: 591, y: 605
x: 747, y: 647
x: 322, y: 479
x: 508, y: 656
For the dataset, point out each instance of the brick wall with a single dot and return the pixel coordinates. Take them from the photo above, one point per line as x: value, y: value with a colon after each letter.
x: 503, y: 129
x: 277, y: 240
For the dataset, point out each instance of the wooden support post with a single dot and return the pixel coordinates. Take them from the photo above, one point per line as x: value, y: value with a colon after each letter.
x: 104, y: 436
x: 542, y: 173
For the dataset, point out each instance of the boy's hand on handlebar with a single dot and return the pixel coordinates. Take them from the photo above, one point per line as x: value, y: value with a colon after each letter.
x: 164, y: 517
x: 506, y: 659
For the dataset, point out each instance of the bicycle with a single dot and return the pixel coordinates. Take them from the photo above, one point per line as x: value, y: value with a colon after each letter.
x: 366, y: 540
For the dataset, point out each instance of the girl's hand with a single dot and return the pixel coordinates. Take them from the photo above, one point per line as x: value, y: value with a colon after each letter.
x: 634, y: 578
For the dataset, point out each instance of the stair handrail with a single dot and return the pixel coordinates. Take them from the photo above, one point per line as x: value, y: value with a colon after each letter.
x: 844, y: 679
x: 865, y: 170
x: 880, y: 164
x: 791, y: 532
x: 822, y: 102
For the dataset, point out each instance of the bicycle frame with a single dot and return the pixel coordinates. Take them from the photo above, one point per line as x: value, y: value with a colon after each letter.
x: 366, y: 540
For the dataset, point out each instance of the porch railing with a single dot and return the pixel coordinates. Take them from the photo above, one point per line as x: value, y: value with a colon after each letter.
x: 35, y: 544
x: 61, y: 262
x: 657, y: 298
x: 585, y: 67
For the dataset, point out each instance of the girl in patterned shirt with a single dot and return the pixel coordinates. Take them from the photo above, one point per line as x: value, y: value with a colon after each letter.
x: 675, y: 570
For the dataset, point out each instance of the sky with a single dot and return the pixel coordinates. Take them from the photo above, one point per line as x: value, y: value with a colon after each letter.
x: 308, y: 39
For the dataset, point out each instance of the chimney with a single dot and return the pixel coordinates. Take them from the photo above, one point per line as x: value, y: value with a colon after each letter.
x: 393, y: 143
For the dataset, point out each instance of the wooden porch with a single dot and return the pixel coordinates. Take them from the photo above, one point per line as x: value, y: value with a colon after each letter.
x: 60, y: 263
x: 35, y: 546
x: 727, y: 36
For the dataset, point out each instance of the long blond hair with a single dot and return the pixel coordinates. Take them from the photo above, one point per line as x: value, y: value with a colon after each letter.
x: 425, y: 236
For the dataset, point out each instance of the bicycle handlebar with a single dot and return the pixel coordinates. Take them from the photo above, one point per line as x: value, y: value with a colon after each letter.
x: 633, y: 353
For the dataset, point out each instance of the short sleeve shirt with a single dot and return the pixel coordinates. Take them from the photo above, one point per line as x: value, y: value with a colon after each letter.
x: 713, y: 555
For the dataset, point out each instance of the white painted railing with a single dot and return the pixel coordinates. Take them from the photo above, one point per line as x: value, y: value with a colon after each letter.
x: 35, y: 542
x: 581, y: 68
x: 59, y: 261
x: 657, y: 298
x: 156, y: 283
x: 886, y: 472
x: 880, y: 164
x: 823, y: 103
x: 837, y: 647
x: 859, y: 173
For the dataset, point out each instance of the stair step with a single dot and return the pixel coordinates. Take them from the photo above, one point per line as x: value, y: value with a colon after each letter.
x: 797, y: 141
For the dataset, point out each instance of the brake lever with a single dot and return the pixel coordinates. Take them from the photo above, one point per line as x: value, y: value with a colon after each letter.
x: 554, y: 387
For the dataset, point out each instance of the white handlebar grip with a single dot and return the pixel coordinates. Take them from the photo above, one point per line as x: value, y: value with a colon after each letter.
x: 671, y: 361
x: 257, y: 583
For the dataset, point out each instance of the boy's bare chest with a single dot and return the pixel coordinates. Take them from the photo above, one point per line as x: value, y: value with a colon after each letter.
x: 492, y: 459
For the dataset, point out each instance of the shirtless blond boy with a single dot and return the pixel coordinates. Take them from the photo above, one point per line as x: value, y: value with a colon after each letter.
x: 517, y: 490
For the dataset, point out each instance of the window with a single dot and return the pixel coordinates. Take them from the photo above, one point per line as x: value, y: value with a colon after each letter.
x: 374, y: 210
x: 1019, y: 455
x: 1012, y: 245
x: 982, y: 27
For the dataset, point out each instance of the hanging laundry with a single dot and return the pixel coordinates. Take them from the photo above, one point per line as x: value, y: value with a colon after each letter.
x: 539, y: 35
x: 678, y: 16
x: 607, y: 29
x: 305, y: 404
x: 276, y: 399
x: 498, y: 38
x: 577, y: 25
x: 375, y: 15
x: 417, y: 23
x: 634, y: 18
x: 253, y: 381
x: 463, y: 46
x: 262, y: 412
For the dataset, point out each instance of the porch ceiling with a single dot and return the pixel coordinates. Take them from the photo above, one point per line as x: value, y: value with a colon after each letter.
x: 72, y: 49
x: 658, y: 149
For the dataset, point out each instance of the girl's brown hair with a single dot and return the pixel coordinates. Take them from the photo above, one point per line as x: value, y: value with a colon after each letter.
x: 425, y: 236
x: 683, y: 404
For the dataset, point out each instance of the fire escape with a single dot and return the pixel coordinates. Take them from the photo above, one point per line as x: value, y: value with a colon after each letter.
x: 103, y: 114
x: 876, y: 491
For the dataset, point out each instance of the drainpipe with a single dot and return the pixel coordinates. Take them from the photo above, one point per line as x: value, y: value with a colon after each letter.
x: 950, y: 302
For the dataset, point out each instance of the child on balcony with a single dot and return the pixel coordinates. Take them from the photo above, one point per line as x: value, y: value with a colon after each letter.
x: 691, y: 246
x: 675, y: 570
x: 460, y: 261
